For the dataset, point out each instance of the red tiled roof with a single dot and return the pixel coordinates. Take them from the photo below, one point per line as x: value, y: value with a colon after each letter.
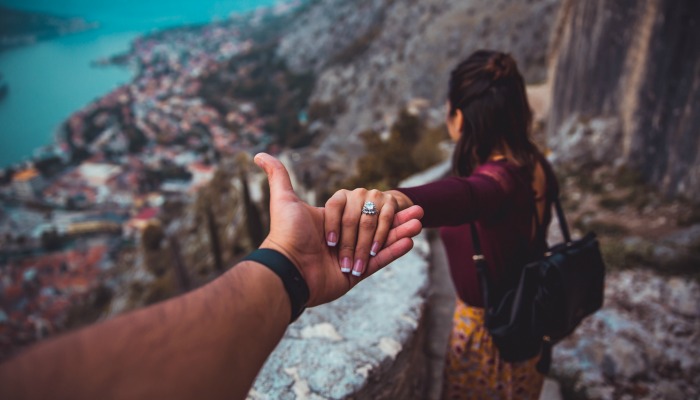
x: 147, y: 214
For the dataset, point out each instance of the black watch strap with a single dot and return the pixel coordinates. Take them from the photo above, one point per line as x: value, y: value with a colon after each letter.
x: 294, y: 283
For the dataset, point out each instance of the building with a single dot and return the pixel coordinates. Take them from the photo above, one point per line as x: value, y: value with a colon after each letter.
x: 27, y: 183
x: 95, y: 174
x: 139, y: 222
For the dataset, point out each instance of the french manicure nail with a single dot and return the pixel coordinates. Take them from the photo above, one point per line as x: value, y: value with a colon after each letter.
x: 332, y: 239
x: 357, y: 270
x: 375, y: 249
x: 345, y: 265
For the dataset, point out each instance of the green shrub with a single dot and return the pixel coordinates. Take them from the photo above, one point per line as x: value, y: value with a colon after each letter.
x: 411, y: 148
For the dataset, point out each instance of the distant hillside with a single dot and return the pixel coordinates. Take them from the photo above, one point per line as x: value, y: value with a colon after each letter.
x: 373, y: 58
x: 19, y: 28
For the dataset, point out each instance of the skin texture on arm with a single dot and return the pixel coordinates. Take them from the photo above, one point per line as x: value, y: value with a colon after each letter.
x: 199, y: 345
x: 209, y: 343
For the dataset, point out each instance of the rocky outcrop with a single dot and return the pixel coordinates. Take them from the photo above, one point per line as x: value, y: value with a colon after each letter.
x: 644, y: 344
x: 626, y: 84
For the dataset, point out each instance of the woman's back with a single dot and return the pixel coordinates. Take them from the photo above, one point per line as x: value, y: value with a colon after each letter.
x: 500, y: 198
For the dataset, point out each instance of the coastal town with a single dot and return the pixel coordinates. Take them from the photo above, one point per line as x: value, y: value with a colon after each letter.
x: 66, y: 214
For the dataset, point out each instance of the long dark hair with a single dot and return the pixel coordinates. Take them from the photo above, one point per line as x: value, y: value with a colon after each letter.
x: 490, y: 92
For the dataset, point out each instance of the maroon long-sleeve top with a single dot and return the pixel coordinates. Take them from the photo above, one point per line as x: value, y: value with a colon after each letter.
x: 499, y: 198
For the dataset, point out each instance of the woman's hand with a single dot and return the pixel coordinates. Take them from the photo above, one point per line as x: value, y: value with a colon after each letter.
x: 297, y: 231
x: 358, y: 235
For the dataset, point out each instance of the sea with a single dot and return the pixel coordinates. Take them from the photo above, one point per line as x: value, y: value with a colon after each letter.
x: 51, y: 79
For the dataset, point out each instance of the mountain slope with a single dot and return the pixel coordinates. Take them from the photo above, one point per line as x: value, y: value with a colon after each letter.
x: 373, y: 57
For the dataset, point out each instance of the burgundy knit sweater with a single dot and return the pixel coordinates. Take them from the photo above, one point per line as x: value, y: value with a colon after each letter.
x: 499, y: 197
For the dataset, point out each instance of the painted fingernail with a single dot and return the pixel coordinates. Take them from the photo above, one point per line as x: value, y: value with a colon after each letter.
x: 375, y: 249
x: 357, y: 270
x: 332, y: 239
x: 345, y: 265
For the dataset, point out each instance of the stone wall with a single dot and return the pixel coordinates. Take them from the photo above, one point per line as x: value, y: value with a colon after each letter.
x: 366, y: 345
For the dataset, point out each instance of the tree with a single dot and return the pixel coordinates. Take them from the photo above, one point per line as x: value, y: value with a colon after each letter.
x: 152, y: 236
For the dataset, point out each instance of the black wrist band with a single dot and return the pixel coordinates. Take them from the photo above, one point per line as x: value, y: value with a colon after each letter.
x: 294, y: 283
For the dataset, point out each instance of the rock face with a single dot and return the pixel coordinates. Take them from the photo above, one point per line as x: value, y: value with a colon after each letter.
x: 626, y: 82
x: 373, y: 57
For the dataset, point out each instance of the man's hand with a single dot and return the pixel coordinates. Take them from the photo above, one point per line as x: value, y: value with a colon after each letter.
x: 297, y: 231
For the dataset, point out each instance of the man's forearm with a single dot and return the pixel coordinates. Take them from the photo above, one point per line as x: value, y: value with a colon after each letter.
x: 209, y: 343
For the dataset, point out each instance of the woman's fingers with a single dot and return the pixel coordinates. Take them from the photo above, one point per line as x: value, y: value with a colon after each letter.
x: 359, y: 234
x: 399, y: 242
x: 389, y: 254
x: 412, y: 212
x: 401, y: 227
x: 374, y: 230
x: 384, y: 223
x: 376, y: 217
x: 333, y: 215
x: 349, y: 226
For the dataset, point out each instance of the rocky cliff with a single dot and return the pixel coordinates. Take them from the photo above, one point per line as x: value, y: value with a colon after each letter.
x: 626, y: 79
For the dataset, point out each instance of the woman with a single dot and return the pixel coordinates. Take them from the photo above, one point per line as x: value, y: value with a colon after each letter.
x: 503, y: 184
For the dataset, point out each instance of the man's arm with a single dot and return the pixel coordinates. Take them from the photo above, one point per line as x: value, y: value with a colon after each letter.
x: 209, y: 343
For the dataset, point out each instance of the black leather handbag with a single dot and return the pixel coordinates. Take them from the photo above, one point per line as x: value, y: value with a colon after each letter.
x: 549, y: 300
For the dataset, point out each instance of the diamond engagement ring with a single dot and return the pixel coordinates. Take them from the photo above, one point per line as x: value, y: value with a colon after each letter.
x: 369, y: 208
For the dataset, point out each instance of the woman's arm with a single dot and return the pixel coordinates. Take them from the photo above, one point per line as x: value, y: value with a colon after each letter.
x: 209, y: 343
x: 447, y: 202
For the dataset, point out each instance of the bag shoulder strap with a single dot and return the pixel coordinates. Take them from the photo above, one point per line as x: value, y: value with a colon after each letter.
x: 563, y: 225
x: 481, y: 267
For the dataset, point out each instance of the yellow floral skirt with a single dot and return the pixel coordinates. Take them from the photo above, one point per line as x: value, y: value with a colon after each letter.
x: 473, y: 368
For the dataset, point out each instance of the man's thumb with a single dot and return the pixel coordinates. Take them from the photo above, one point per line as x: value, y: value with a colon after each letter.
x: 277, y: 174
